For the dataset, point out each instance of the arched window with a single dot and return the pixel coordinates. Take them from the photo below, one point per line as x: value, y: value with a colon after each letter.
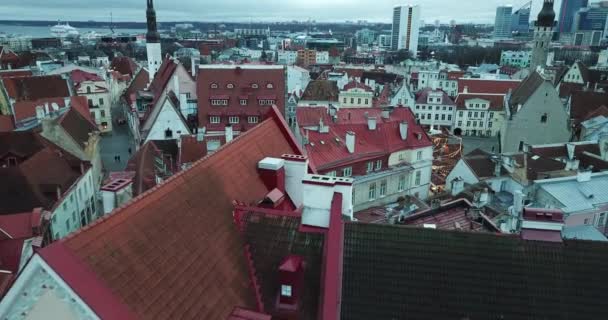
x: 214, y: 86
x: 254, y: 85
x: 168, y: 133
x: 230, y: 86
x: 269, y: 86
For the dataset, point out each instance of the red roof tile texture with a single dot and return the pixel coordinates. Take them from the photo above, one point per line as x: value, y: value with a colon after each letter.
x: 6, y: 123
x: 496, y: 100
x: 174, y: 252
x: 38, y: 87
x: 124, y: 65
x: 328, y: 150
x: 239, y: 83
x: 487, y: 86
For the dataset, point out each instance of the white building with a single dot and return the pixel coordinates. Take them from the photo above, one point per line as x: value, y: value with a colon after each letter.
x: 520, y: 59
x: 297, y: 79
x: 287, y: 57
x: 479, y: 114
x: 322, y: 57
x: 403, y: 97
x: 406, y: 26
x: 96, y: 90
x: 435, y: 109
x: 356, y: 95
x: 76, y: 208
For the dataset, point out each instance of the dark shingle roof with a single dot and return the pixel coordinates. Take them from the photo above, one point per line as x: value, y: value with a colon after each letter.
x: 525, y: 90
x: 395, y: 272
x: 321, y: 90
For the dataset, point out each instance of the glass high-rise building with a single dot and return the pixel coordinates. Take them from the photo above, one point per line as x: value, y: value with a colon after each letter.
x: 502, y: 23
x: 520, y: 20
x: 567, y: 13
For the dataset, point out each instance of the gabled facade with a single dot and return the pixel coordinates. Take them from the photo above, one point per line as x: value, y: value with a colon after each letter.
x: 534, y: 107
x: 96, y: 91
x: 403, y: 97
x: 386, y: 153
x: 435, y: 109
x: 479, y: 114
x: 166, y: 121
x: 233, y: 99
x: 356, y: 95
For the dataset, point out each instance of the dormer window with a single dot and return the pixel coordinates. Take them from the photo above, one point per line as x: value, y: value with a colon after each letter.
x: 254, y: 85
x: 286, y: 290
x: 168, y: 134
x: 214, y: 86
x: 230, y: 86
x: 269, y: 86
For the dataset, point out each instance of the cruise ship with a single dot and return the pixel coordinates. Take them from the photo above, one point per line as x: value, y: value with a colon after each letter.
x: 64, y: 30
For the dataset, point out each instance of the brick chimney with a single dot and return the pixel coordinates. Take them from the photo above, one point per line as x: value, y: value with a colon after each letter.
x: 272, y: 172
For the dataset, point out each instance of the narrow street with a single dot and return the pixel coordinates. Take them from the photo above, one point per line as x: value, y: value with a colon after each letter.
x: 116, y: 143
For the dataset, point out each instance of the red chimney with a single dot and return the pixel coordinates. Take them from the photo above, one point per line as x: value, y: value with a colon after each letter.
x: 291, y: 279
x: 272, y: 172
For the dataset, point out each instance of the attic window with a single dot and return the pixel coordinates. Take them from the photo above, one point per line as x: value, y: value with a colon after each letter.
x: 214, y: 86
x: 269, y: 86
x: 543, y: 118
x: 230, y: 86
x: 254, y: 85
x: 286, y: 290
x: 168, y: 134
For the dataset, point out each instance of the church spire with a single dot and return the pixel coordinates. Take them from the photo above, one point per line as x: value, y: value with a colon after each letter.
x: 152, y: 36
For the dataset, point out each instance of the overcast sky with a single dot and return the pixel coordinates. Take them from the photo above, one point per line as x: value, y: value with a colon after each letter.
x: 252, y: 10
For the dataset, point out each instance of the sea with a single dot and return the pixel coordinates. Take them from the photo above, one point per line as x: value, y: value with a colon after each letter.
x: 41, y: 32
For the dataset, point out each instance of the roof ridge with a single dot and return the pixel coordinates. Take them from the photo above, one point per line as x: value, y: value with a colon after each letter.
x: 163, y: 184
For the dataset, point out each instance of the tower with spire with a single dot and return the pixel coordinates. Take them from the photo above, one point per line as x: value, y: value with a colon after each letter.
x: 543, y: 32
x: 152, y: 41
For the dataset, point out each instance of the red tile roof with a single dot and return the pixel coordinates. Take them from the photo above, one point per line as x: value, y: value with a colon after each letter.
x: 163, y: 76
x: 455, y: 75
x: 21, y: 225
x: 37, y: 87
x: 496, y: 100
x: 173, y: 252
x: 6, y: 123
x: 455, y: 215
x: 191, y: 149
x: 124, y: 65
x: 139, y: 83
x: 328, y: 150
x: 79, y: 76
x: 310, y: 116
x: 321, y: 90
x: 15, y: 73
x: 77, y: 126
x: 25, y: 110
x: 583, y: 102
x: 487, y: 86
x: 421, y: 97
x: 143, y: 163
x: 357, y: 85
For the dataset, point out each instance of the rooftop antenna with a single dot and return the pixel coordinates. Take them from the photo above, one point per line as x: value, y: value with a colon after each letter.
x: 111, y: 23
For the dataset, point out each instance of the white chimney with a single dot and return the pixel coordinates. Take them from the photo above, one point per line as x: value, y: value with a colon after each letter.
x: 46, y: 108
x: 570, y: 148
x: 39, y: 112
x: 296, y: 168
x: 465, y: 89
x: 67, y: 101
x: 457, y: 186
x: 403, y: 130
x: 229, y: 133
x: 371, y: 123
x: 386, y: 114
x: 318, y: 193
x: 350, y: 141
x: 518, y: 203
x: 176, y: 84
x: 583, y: 176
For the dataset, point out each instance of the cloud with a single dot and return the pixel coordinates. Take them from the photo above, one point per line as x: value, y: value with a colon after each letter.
x: 252, y: 10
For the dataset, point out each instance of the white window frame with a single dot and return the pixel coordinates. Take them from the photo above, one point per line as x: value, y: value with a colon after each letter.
x: 371, y: 193
x: 401, y: 184
x: 419, y: 155
x: 234, y: 119
x: 383, y: 188
x: 214, y: 119
x: 253, y: 119
x: 418, y: 178
x: 347, y: 172
x: 370, y: 166
x: 378, y: 165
